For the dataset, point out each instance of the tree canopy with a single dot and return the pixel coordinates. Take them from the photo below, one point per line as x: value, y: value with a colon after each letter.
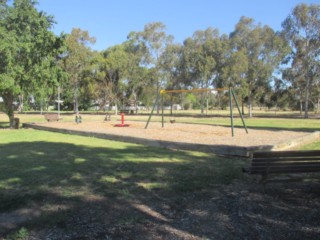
x: 266, y: 67
x: 302, y: 31
x: 28, y: 51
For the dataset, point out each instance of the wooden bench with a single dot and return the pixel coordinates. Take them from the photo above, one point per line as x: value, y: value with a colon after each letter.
x: 281, y: 162
x: 124, y: 111
x: 52, y: 117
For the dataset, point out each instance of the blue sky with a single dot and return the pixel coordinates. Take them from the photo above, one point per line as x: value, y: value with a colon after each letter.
x: 110, y: 21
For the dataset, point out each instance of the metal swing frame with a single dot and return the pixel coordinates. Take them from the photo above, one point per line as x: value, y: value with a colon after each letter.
x: 231, y: 96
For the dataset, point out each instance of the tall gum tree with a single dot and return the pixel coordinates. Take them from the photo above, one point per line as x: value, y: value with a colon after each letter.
x: 76, y: 59
x: 261, y: 50
x: 152, y: 41
x: 111, y: 69
x: 302, y: 30
x: 201, y: 59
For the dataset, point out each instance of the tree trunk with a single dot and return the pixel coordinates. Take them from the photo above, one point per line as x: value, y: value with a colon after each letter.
x: 207, y: 107
x: 306, y: 99
x: 9, y: 107
x: 242, y: 108
x: 202, y: 104
x: 76, y: 104
x: 41, y: 106
x: 171, y: 105
x: 306, y: 107
x: 116, y: 108
x: 250, y: 105
x: 20, y: 107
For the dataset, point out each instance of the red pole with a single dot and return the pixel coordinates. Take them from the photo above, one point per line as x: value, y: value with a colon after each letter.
x: 122, y: 118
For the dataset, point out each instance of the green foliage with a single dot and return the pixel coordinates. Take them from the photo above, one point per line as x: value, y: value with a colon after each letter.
x: 150, y: 44
x: 75, y: 62
x: 301, y: 30
x: 138, y: 68
x: 22, y: 234
x: 27, y: 53
x: 261, y: 50
x: 191, y: 102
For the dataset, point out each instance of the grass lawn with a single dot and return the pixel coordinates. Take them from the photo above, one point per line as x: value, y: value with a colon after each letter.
x: 58, y: 173
x: 54, y: 177
x: 311, y: 146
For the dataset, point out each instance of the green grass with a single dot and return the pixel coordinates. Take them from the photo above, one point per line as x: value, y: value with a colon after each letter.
x: 57, y: 171
x: 21, y: 234
x: 42, y: 169
x: 32, y: 157
x: 311, y: 146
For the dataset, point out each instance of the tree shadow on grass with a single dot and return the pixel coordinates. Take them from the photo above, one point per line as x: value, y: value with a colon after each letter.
x: 61, y: 180
x: 67, y: 191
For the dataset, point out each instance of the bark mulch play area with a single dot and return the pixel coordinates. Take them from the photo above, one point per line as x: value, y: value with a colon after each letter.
x: 207, y: 138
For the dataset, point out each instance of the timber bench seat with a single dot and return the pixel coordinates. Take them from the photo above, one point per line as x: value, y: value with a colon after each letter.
x: 52, y: 117
x: 283, y: 162
x: 125, y: 111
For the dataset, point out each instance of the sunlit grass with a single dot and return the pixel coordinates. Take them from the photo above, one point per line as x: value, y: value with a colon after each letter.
x: 37, y: 163
x: 311, y: 146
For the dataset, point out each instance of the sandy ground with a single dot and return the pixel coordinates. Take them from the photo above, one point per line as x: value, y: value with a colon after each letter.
x: 186, y: 133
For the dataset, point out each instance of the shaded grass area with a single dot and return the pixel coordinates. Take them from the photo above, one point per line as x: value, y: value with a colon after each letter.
x: 61, y: 174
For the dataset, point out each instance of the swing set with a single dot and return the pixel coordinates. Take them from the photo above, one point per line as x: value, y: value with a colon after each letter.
x: 231, y: 96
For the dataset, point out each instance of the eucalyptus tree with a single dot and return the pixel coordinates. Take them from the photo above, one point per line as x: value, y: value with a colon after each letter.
x: 3, y: 8
x: 201, y: 59
x: 28, y: 50
x: 152, y: 42
x: 302, y: 30
x: 260, y: 50
x: 138, y: 78
x: 76, y: 59
x: 110, y: 74
x: 170, y: 65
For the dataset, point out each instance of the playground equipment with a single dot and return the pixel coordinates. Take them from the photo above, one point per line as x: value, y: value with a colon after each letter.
x: 122, y: 122
x: 78, y: 119
x: 231, y: 95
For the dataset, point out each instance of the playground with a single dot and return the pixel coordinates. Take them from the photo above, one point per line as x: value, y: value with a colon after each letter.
x: 168, y: 133
x: 186, y: 136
